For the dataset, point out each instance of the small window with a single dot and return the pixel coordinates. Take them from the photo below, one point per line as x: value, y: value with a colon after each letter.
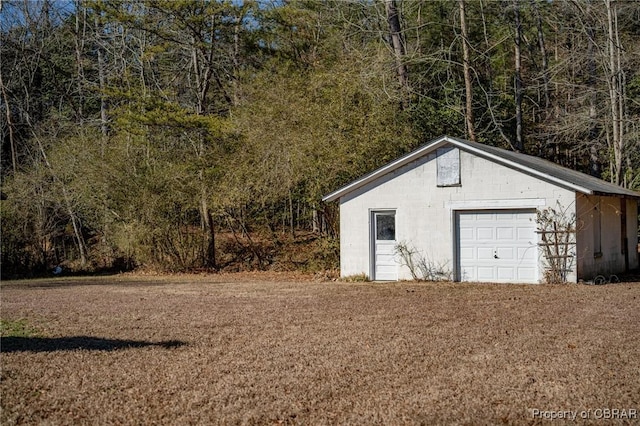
x: 385, y: 226
x: 448, y: 164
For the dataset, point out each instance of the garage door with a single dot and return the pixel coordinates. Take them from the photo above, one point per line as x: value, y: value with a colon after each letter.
x: 497, y: 246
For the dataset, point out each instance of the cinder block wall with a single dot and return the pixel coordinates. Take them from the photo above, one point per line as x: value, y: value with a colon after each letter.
x: 424, y: 212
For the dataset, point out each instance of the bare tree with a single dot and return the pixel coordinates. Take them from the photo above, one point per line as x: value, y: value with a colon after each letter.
x: 10, y: 125
x: 399, y: 49
x: 467, y: 73
x: 616, y: 80
x: 519, y: 143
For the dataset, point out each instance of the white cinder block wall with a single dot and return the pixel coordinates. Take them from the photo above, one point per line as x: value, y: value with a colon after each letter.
x: 425, y: 212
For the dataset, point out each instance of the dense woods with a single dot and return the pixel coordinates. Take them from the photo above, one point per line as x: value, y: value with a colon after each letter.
x: 194, y: 134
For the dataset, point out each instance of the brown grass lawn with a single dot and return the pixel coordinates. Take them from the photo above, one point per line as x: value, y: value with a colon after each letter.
x: 244, y: 350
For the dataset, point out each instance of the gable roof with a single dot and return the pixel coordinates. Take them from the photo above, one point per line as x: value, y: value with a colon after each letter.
x: 534, y: 166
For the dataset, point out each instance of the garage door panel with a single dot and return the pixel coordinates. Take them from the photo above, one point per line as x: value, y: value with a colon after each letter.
x: 526, y: 274
x: 504, y: 233
x: 466, y: 253
x: 485, y: 233
x: 485, y: 273
x: 498, y: 246
x: 505, y: 253
x: 467, y: 220
x: 525, y: 234
x: 466, y: 234
x: 484, y: 253
x: 527, y: 253
x: 505, y: 273
x: 468, y: 274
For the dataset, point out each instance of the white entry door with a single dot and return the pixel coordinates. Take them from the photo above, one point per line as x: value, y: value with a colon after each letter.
x: 385, y: 267
x: 497, y: 246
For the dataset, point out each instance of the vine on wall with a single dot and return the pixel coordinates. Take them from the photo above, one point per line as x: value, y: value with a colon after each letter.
x: 557, y: 229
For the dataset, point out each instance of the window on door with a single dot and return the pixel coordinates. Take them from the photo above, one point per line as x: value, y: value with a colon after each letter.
x: 385, y: 226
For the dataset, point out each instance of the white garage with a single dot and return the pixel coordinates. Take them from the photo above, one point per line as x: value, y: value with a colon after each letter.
x: 468, y: 212
x: 497, y: 246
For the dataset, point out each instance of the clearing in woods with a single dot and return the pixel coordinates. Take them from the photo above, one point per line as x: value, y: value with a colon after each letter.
x: 263, y: 349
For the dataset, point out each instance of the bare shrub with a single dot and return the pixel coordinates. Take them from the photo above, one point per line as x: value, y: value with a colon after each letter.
x: 420, y: 266
x: 557, y: 229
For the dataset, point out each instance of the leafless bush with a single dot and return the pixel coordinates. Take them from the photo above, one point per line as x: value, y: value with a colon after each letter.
x: 420, y: 266
x: 557, y: 229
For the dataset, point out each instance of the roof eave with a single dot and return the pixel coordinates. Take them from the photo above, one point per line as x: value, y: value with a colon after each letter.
x: 616, y: 194
x: 412, y: 156
x: 525, y: 169
x: 406, y: 159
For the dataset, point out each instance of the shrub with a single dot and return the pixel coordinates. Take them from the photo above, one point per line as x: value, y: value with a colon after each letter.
x: 421, y: 267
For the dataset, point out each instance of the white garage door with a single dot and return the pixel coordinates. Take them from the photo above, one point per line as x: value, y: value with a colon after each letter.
x: 497, y: 246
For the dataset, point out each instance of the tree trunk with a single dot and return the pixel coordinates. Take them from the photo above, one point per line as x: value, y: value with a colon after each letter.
x: 102, y: 81
x: 67, y: 202
x: 615, y: 92
x: 315, y: 221
x: 79, y: 44
x: 12, y: 142
x: 202, y: 73
x: 490, y: 77
x: 397, y: 42
x: 519, y: 145
x: 76, y: 229
x: 594, y: 160
x: 291, y: 222
x: 236, y: 56
x: 541, y: 119
x: 212, y: 241
x: 543, y: 53
x: 467, y: 73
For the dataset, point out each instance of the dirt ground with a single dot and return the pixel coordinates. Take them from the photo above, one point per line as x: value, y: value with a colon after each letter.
x: 284, y: 349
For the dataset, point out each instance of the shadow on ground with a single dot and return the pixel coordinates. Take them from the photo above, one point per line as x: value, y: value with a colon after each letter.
x: 44, y: 344
x: 81, y: 281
